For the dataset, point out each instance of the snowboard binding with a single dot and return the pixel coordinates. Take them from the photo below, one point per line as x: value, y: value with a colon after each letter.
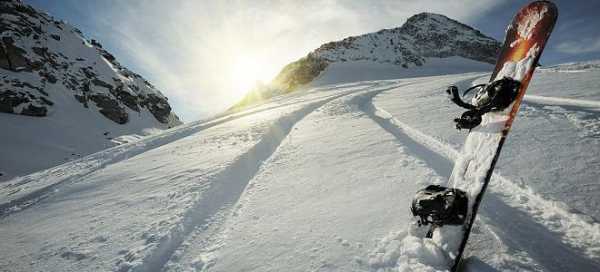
x: 437, y: 206
x: 494, y: 96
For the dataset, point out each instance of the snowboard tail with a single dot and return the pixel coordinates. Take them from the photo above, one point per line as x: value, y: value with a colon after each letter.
x: 525, y: 39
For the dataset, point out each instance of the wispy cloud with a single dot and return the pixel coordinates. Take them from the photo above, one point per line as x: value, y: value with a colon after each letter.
x: 586, y: 45
x: 188, y: 48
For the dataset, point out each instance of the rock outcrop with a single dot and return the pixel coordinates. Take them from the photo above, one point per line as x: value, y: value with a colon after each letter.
x: 425, y: 35
x: 42, y: 59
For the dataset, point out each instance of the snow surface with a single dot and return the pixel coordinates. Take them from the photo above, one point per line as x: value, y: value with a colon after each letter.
x: 573, y: 67
x: 320, y: 180
x: 352, y: 71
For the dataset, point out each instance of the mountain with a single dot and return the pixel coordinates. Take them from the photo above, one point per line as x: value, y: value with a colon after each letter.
x: 63, y: 96
x: 426, y: 44
x: 573, y: 67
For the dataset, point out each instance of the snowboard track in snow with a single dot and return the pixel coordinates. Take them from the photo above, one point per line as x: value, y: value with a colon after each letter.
x: 571, y: 103
x: 228, y: 185
x: 574, y: 236
x: 506, y: 200
x: 23, y: 192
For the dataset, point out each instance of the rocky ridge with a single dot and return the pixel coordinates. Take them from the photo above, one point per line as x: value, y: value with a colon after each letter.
x: 43, y: 59
x: 421, y: 37
x: 425, y: 35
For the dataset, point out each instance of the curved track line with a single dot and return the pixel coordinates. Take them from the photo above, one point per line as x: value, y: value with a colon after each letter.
x: 577, y: 230
x: 541, y: 100
x: 228, y: 185
x: 561, y: 101
x: 23, y: 192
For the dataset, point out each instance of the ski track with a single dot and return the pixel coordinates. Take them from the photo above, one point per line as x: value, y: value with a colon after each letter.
x: 507, y: 200
x: 586, y: 120
x: 542, y: 100
x: 565, y: 102
x: 584, y: 114
x: 228, y: 185
x: 23, y: 192
x: 504, y: 257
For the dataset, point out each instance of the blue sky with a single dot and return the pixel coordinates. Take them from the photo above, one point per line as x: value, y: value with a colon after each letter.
x: 204, y: 55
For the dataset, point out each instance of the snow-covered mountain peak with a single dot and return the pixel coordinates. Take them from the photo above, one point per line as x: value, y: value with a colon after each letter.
x: 423, y: 35
x: 432, y: 21
x: 426, y: 44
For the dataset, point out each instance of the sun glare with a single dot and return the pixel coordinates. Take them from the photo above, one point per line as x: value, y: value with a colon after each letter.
x: 246, y: 73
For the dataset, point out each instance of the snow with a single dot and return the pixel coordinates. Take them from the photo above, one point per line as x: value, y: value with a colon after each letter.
x: 573, y: 67
x: 520, y: 197
x: 352, y: 71
x: 69, y: 132
x: 556, y: 216
x: 320, y: 180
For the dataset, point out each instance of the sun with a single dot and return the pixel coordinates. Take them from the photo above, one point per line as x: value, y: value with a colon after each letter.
x: 246, y: 73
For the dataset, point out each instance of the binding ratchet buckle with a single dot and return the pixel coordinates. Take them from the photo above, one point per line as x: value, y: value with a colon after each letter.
x: 494, y: 96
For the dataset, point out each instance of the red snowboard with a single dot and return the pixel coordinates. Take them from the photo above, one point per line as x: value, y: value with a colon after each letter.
x: 441, y: 246
x: 525, y: 40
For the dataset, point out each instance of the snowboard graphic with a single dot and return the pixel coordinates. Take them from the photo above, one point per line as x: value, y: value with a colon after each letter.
x: 444, y: 216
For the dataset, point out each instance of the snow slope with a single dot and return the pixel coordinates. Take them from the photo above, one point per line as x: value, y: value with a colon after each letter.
x: 316, y: 181
x: 352, y: 71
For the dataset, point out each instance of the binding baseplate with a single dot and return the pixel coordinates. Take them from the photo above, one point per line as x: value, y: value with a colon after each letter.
x: 437, y: 206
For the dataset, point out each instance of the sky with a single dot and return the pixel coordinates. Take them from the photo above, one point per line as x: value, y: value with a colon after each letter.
x: 205, y: 55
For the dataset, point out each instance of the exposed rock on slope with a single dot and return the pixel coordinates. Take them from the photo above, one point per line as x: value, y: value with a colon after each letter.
x: 422, y: 37
x: 63, y: 97
x: 37, y: 52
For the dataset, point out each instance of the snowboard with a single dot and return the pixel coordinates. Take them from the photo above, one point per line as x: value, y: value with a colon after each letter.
x: 449, y: 225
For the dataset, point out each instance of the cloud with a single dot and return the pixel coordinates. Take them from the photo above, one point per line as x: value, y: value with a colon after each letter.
x: 586, y: 45
x: 188, y: 48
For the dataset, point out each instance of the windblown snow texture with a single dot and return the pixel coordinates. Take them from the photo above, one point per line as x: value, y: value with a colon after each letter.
x: 314, y: 181
x: 320, y: 181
